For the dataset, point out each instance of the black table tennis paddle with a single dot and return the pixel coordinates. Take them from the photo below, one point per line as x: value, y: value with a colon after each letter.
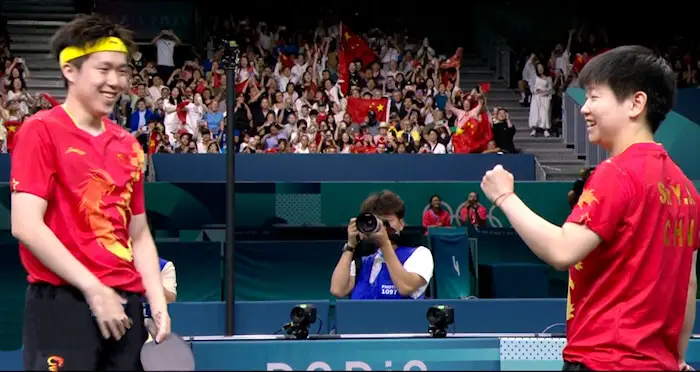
x: 171, y: 354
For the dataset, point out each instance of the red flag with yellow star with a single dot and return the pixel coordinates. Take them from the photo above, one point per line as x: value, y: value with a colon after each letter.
x: 473, y: 134
x: 12, y: 126
x: 343, y: 72
x: 152, y: 142
x: 359, y: 108
x: 286, y: 60
x: 355, y: 47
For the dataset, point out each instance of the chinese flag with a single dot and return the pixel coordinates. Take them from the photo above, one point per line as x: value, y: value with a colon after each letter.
x: 286, y: 60
x: 355, y: 47
x: 343, y: 73
x: 473, y: 135
x: 485, y: 87
x: 152, y: 142
x: 358, y: 108
x: 50, y: 99
x: 240, y: 87
x: 453, y: 62
x: 12, y: 126
x: 181, y: 111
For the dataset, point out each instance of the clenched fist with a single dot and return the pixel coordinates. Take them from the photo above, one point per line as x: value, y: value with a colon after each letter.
x: 497, y: 182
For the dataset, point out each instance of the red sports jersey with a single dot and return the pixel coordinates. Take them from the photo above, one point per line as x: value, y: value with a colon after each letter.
x: 93, y: 185
x: 627, y: 299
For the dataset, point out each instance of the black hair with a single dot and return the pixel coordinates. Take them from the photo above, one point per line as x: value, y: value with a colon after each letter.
x: 86, y: 30
x: 630, y: 69
x: 433, y: 197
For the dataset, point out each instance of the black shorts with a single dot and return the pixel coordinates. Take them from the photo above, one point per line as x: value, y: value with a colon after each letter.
x: 60, y: 331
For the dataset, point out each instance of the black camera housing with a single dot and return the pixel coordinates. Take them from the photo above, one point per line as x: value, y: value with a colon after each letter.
x: 369, y: 224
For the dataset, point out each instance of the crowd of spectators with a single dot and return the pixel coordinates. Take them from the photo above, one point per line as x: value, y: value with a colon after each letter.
x: 545, y: 77
x: 292, y: 96
x: 16, y: 102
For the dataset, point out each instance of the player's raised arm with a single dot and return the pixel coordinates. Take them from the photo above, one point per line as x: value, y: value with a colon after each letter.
x: 592, y: 220
x: 33, y: 171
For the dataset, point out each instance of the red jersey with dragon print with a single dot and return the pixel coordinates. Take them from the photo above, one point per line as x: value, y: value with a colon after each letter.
x: 92, y: 184
x: 627, y: 298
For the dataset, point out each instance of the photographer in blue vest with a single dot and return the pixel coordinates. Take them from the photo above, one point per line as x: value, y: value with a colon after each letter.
x: 169, y: 279
x: 392, y: 271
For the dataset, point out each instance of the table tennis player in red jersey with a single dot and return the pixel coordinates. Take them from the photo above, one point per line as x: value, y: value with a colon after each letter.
x: 78, y: 212
x: 630, y: 241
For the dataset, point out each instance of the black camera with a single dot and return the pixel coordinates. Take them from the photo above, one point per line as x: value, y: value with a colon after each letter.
x: 229, y: 60
x: 369, y: 224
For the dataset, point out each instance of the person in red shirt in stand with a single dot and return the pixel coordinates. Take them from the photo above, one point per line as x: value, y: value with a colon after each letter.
x: 78, y: 212
x: 435, y: 215
x: 630, y: 242
x: 477, y: 213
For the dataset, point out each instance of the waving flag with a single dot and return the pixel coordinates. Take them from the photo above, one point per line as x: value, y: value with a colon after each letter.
x: 152, y: 142
x: 343, y: 73
x: 286, y: 60
x: 359, y: 108
x: 182, y: 111
x: 473, y: 133
x: 355, y: 47
x: 453, y: 62
x: 12, y: 126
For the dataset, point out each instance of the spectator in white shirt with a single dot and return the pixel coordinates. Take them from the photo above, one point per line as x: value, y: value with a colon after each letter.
x: 165, y: 43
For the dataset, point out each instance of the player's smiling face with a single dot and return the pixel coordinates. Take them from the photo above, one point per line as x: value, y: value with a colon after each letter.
x: 604, y: 114
x: 100, y: 80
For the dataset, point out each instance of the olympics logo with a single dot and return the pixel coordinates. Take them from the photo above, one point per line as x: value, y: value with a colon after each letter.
x: 491, y: 220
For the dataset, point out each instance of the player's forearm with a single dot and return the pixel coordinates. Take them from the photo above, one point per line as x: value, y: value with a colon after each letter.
x: 541, y: 236
x: 146, y: 261
x: 45, y: 246
x: 689, y: 320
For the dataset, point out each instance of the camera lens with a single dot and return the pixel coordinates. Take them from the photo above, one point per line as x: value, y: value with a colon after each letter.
x: 367, y: 223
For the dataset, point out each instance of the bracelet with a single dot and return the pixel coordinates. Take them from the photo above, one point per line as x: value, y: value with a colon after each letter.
x: 503, y: 196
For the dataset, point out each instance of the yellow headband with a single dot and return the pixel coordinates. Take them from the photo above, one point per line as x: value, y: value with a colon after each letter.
x: 108, y: 44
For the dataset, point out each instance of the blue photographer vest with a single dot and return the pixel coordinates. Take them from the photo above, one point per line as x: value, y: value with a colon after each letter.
x: 382, y: 288
x: 147, y: 309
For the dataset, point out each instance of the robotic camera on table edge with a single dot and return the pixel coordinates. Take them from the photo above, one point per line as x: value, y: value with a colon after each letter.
x: 231, y: 54
x: 302, y: 316
x: 439, y: 318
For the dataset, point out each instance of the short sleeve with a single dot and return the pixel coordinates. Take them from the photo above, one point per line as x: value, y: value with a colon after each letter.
x: 604, y: 200
x: 138, y: 198
x: 169, y: 277
x: 33, y: 168
x: 421, y: 263
x: 352, y: 268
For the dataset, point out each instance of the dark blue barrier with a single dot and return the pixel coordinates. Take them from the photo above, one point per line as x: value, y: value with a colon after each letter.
x: 4, y: 168
x: 339, y: 168
x: 471, y: 316
x: 687, y: 104
x: 251, y: 317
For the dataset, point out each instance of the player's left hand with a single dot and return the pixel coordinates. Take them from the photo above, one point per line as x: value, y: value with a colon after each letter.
x: 162, y: 320
x: 497, y: 182
x: 683, y: 366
